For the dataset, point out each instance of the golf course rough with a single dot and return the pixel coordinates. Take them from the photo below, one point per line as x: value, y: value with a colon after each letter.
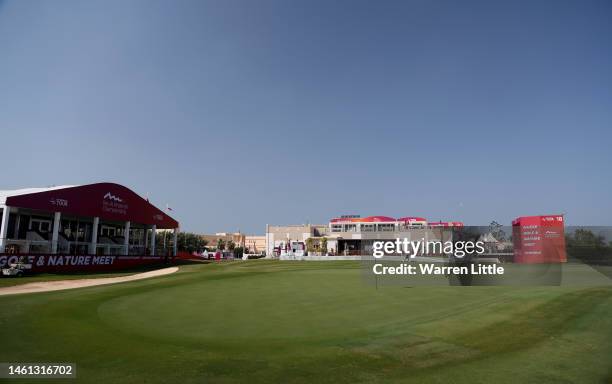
x: 306, y: 322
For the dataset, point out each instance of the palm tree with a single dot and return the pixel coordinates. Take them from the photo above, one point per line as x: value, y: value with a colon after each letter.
x: 220, y: 244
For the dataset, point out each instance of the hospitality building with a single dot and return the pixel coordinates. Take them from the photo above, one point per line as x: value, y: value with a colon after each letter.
x: 72, y: 227
x: 353, y: 235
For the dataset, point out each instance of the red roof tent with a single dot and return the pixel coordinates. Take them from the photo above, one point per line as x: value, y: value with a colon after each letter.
x: 108, y: 201
x: 369, y: 219
x: 411, y: 218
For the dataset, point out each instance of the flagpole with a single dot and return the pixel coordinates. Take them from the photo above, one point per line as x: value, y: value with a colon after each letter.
x: 168, y: 209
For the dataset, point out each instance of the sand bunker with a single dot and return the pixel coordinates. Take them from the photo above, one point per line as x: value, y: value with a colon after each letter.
x: 46, y: 286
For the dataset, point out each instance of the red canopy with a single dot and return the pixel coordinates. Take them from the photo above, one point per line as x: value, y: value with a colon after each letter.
x: 369, y: 219
x: 108, y: 201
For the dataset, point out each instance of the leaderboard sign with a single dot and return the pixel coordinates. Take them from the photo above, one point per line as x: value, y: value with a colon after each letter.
x: 539, y: 239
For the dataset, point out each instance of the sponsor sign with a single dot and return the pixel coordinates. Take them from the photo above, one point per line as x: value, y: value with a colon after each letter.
x: 78, y: 263
x: 539, y: 239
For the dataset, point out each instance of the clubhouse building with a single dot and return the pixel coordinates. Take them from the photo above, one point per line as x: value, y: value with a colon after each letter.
x: 83, y: 227
x: 352, y: 235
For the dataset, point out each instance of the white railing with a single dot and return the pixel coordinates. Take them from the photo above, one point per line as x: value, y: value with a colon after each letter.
x: 66, y: 247
x: 27, y: 246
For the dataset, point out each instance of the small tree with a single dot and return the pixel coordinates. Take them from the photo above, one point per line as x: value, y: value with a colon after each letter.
x: 203, y: 244
x: 310, y: 245
x: 585, y: 238
x: 220, y: 244
x: 238, y: 252
x: 323, y: 245
x: 588, y: 247
x: 230, y: 245
x: 497, y: 231
x: 187, y: 242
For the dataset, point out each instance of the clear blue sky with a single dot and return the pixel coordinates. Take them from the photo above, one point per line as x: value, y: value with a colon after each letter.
x: 242, y: 113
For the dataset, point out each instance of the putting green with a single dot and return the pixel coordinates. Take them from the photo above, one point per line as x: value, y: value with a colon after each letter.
x: 270, y: 321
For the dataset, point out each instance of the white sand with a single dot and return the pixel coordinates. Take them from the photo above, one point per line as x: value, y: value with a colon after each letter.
x: 46, y: 286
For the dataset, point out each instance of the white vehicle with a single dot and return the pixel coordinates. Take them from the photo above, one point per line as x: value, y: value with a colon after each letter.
x: 247, y: 256
x: 16, y: 270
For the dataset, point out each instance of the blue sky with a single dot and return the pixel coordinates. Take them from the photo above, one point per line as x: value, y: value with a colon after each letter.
x: 242, y: 113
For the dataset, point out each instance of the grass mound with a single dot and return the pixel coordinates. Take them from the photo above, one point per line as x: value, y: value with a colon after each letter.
x: 304, y: 322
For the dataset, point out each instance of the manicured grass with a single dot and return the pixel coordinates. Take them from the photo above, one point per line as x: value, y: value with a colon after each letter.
x: 309, y: 322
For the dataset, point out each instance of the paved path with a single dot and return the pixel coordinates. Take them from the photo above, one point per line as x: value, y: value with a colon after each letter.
x: 46, y: 286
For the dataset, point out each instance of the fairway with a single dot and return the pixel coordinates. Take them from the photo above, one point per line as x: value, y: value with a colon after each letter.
x: 306, y: 322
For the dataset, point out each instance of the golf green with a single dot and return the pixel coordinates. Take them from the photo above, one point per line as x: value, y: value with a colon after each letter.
x: 305, y: 322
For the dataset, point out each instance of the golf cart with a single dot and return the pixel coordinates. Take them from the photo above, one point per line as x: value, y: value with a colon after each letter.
x: 16, y: 269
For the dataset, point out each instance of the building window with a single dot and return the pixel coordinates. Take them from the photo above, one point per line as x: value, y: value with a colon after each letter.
x: 336, y: 228
x: 367, y: 227
x: 108, y: 231
x: 350, y: 228
x: 42, y: 226
x: 386, y: 227
x: 45, y: 226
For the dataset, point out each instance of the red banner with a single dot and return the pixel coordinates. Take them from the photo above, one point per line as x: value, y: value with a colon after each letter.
x: 80, y: 263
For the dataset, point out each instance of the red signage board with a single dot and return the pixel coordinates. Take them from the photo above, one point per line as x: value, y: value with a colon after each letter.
x: 80, y: 263
x: 539, y: 239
